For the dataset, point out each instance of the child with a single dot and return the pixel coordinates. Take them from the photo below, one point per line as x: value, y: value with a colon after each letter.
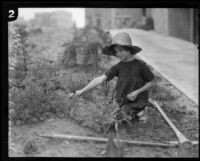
x: 134, y: 76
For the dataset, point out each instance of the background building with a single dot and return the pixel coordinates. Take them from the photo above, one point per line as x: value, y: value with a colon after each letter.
x: 181, y: 23
x: 111, y: 18
x: 56, y: 19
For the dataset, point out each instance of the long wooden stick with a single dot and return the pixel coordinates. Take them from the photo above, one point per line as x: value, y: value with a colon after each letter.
x: 104, y: 140
x: 180, y: 136
x: 184, y: 142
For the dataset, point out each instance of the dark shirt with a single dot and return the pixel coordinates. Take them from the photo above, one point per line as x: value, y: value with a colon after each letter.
x: 131, y: 76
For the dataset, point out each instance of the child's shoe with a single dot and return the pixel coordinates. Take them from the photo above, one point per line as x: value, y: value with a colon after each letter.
x: 143, y: 115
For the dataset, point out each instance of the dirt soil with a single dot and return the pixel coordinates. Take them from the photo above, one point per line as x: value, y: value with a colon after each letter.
x: 69, y: 148
x: 154, y: 130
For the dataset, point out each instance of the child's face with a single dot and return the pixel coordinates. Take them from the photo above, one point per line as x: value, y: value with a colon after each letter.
x: 122, y: 53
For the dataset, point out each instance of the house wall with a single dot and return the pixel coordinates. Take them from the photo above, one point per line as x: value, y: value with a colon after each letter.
x: 176, y: 22
x: 160, y: 18
x: 181, y: 23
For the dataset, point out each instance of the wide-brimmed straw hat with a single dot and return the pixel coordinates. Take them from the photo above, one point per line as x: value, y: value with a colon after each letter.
x: 121, y: 39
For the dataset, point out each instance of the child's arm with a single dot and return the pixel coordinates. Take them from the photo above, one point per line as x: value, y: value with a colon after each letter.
x: 91, y: 85
x: 133, y: 95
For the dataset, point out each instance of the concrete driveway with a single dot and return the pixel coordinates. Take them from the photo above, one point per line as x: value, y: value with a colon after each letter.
x: 175, y: 59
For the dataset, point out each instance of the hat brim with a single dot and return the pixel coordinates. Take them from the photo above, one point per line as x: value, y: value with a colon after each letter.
x: 109, y: 50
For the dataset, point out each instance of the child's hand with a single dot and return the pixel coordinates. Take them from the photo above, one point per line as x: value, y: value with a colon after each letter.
x: 132, y: 96
x: 75, y: 94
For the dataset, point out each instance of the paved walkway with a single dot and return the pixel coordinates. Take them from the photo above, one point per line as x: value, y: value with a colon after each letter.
x: 175, y: 59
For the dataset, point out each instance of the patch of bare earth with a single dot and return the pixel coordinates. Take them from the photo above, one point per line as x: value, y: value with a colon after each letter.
x: 181, y: 111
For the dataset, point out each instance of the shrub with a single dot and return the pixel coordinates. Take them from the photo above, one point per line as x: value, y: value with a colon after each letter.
x: 36, y: 102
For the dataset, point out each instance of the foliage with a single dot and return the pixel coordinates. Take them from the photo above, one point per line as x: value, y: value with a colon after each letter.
x: 87, y: 42
x: 19, y: 52
x: 38, y: 98
x: 34, y: 102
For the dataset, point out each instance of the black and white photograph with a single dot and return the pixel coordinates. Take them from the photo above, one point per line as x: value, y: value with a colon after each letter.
x: 69, y: 91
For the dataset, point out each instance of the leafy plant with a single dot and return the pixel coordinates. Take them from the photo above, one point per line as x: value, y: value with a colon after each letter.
x: 20, y: 50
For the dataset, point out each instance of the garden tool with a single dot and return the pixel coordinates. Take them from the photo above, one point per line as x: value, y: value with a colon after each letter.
x: 112, y: 150
x: 117, y: 116
x: 184, y: 142
x: 30, y: 147
x: 105, y: 140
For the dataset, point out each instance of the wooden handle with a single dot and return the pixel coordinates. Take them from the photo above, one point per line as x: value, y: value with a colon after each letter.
x: 104, y: 140
x: 181, y: 137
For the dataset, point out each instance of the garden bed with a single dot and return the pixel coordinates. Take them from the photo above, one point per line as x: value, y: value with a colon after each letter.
x: 87, y: 123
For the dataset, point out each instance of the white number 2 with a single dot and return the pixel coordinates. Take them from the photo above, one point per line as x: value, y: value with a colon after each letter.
x: 11, y: 13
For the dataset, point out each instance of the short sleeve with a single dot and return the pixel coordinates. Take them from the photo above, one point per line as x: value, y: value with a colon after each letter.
x: 146, y: 73
x: 112, y: 72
